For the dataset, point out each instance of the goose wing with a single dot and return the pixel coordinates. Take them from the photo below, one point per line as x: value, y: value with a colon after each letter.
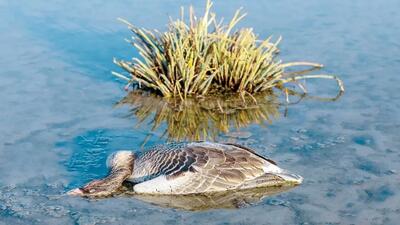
x: 203, y: 167
x: 222, y: 167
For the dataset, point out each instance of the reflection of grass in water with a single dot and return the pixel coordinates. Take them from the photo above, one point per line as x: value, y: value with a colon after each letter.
x: 206, y: 117
x: 202, y: 56
x: 201, y: 118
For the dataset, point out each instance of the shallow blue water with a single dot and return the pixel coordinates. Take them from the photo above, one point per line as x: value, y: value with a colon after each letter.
x: 58, y: 123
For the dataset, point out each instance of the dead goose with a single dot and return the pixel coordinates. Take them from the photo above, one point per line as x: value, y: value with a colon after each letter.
x: 189, y: 168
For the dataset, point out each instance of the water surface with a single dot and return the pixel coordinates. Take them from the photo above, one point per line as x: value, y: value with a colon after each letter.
x: 58, y: 123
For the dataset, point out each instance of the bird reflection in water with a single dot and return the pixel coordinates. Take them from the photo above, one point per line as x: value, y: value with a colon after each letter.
x: 200, y: 202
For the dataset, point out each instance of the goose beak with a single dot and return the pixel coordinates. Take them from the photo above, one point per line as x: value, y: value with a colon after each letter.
x: 290, y: 177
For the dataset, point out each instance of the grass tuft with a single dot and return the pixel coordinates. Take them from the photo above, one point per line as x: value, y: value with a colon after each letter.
x: 202, y: 56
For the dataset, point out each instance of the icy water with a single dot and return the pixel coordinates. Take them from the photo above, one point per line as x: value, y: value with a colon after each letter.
x: 58, y: 122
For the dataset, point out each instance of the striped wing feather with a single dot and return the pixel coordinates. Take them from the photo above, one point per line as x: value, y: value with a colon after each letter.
x: 198, y: 167
x: 221, y: 167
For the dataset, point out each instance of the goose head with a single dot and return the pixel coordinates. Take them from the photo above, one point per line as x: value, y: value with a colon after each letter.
x: 120, y: 164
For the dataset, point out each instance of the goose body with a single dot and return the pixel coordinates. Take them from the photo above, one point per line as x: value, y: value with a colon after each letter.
x: 190, y: 168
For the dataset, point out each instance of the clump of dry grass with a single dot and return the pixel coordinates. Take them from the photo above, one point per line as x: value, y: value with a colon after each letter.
x: 204, y: 56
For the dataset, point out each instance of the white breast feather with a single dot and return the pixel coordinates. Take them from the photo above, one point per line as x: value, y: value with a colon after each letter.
x: 161, y: 185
